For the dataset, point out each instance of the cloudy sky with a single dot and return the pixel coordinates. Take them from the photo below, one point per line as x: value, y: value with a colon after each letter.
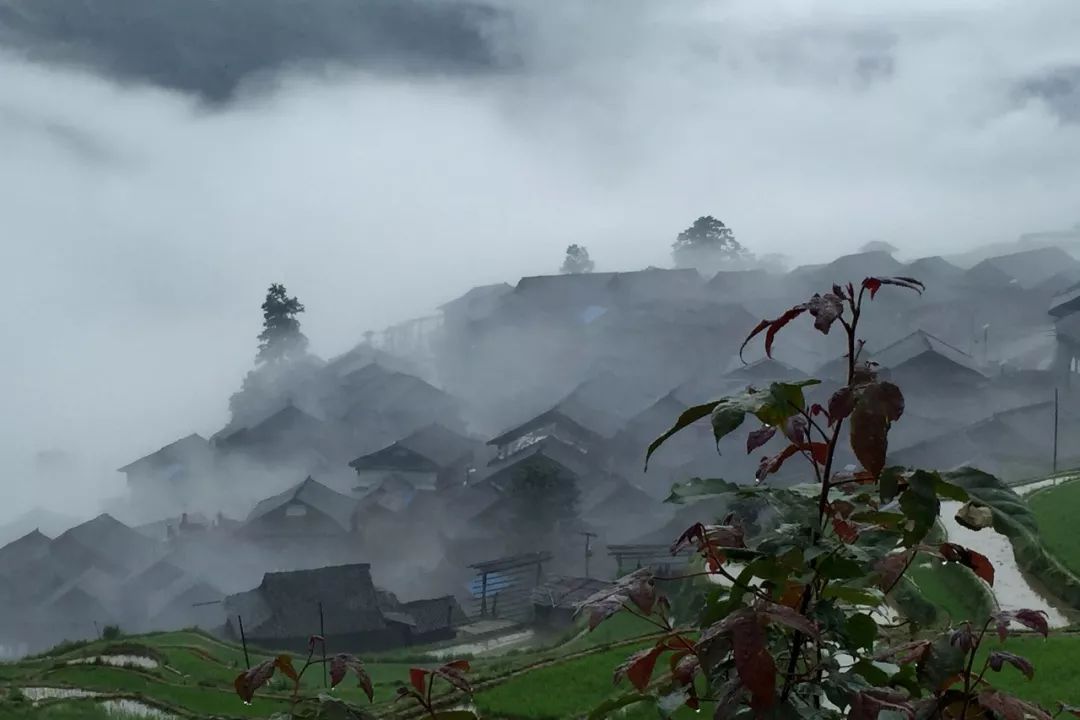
x: 140, y: 227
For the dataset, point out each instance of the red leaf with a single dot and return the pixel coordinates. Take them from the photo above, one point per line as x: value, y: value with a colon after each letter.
x: 816, y: 410
x: 770, y: 465
x: 459, y: 665
x: 1008, y: 707
x: 820, y: 452
x: 284, y: 664
x: 778, y: 324
x: 788, y: 617
x: 873, y: 285
x: 753, y: 333
x: 313, y: 640
x: 338, y: 668
x: 341, y: 664
x: 890, y: 568
x: 759, y: 437
x: 825, y: 309
x: 998, y: 658
x: 841, y: 404
x: 418, y: 678
x: 685, y: 669
x: 246, y: 683
x: 846, y: 531
x: 643, y: 594
x: 638, y: 668
x: 910, y: 652
x: 868, y: 704
x: 753, y: 663
x: 1033, y: 619
x: 869, y: 441
x: 978, y: 562
x: 963, y: 638
x: 796, y: 429
x: 455, y: 677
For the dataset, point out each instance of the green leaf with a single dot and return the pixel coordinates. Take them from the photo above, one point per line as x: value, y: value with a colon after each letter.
x: 837, y: 567
x: 889, y: 483
x: 871, y: 672
x: 781, y: 401
x: 456, y: 715
x: 862, y: 631
x: 698, y: 488
x: 922, y: 510
x: 854, y: 595
x: 688, y: 417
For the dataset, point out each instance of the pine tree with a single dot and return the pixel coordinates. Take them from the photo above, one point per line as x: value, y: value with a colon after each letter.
x: 577, y: 261
x: 280, y: 338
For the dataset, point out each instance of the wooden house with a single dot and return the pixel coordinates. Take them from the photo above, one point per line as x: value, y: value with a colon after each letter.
x: 283, y: 612
x: 921, y: 361
x: 429, y: 458
x: 172, y: 474
x: 307, y: 510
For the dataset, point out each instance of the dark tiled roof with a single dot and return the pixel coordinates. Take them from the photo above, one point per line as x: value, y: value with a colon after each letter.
x: 314, y: 494
x: 434, y: 614
x: 285, y: 605
x: 180, y: 451
x: 431, y: 448
x: 919, y: 343
x: 18, y: 553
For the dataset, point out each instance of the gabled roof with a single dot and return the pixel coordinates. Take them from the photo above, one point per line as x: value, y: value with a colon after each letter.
x: 764, y: 370
x: 1029, y: 267
x: 433, y: 614
x: 935, y: 267
x: 919, y: 343
x: 106, y: 543
x: 28, y: 548
x: 179, y: 451
x: 289, y: 421
x: 656, y: 283
x: 852, y: 268
x: 655, y: 419
x: 285, y: 605
x: 315, y: 495
x: 430, y: 449
x: 550, y: 451
x: 573, y: 416
x: 477, y: 295
x: 373, y: 389
x: 616, y: 396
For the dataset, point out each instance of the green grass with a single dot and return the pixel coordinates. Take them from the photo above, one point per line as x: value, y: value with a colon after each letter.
x: 1055, y: 509
x: 1055, y: 659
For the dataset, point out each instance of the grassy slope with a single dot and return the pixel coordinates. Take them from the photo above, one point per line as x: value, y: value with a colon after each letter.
x: 1056, y: 510
x: 199, y: 670
x: 1055, y: 661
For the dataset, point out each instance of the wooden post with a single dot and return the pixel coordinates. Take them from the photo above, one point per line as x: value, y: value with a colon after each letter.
x: 243, y: 641
x: 588, y: 549
x: 1055, y: 429
x: 322, y: 634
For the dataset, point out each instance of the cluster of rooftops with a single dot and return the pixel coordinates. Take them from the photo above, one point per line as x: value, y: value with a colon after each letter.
x: 574, y: 375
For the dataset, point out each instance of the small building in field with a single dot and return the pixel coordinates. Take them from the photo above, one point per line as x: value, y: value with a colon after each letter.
x: 556, y: 600
x: 283, y: 612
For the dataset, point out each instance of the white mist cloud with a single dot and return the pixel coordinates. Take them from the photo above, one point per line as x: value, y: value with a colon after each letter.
x: 139, y: 231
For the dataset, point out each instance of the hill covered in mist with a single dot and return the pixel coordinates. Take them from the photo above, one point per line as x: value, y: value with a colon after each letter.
x: 211, y: 48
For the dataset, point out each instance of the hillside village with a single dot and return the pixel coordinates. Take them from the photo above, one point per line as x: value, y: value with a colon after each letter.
x: 484, y: 467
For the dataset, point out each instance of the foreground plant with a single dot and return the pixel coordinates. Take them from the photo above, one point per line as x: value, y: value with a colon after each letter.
x: 340, y: 666
x: 787, y: 624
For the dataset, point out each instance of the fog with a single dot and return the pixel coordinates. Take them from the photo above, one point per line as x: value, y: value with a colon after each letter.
x: 140, y: 227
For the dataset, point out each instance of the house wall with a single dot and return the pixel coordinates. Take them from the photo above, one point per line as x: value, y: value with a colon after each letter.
x: 289, y: 521
x: 374, y: 478
x: 361, y: 642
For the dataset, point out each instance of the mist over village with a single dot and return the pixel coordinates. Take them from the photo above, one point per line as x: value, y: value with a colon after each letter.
x: 410, y: 359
